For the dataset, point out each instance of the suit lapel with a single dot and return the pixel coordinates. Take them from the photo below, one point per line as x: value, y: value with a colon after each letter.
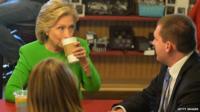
x: 181, y: 74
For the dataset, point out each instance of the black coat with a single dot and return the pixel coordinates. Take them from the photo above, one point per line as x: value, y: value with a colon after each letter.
x: 185, y: 95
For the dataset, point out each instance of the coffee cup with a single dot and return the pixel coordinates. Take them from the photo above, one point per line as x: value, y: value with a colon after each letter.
x: 21, y: 100
x: 69, y: 46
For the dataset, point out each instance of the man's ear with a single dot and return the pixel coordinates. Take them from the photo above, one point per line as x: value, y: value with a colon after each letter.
x: 169, y: 46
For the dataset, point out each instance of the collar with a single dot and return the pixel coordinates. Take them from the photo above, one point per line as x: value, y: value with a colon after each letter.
x: 175, y: 69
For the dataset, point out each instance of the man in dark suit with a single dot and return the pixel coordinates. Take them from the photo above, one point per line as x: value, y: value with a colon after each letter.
x: 175, y: 47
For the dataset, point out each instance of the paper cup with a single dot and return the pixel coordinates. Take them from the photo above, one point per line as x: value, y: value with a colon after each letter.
x: 68, y: 45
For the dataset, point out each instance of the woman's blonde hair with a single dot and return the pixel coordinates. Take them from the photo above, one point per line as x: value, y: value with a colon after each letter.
x: 49, y: 14
x: 52, y: 88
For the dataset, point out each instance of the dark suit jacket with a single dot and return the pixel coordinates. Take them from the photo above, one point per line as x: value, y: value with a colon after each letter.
x: 185, y: 95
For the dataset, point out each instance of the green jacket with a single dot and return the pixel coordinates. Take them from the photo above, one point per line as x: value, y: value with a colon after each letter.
x: 34, y: 52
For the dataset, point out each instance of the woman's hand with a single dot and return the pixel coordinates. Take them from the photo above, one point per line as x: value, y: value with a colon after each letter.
x: 80, y: 53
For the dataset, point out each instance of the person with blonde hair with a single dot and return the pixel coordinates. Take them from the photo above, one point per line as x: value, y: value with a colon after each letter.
x: 52, y: 88
x: 56, y: 21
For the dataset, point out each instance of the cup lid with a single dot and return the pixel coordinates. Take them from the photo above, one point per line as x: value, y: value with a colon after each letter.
x: 20, y: 93
x: 69, y: 40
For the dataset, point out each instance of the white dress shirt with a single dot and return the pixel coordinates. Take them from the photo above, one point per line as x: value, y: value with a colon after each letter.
x: 174, y: 71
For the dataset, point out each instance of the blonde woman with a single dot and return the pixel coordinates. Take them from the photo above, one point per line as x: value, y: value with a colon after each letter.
x: 52, y: 88
x: 56, y: 21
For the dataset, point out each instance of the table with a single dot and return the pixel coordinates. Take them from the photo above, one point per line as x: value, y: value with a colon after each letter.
x: 88, y: 105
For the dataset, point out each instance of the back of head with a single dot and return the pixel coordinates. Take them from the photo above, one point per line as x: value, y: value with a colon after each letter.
x: 49, y: 14
x: 52, y: 88
x: 180, y: 30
